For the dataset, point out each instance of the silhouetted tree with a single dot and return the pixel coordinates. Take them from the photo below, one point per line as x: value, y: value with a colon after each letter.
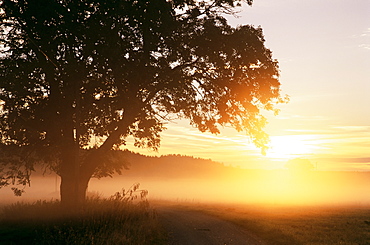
x: 76, y: 70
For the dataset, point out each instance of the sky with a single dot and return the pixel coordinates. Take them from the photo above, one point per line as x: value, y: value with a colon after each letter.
x: 323, y: 49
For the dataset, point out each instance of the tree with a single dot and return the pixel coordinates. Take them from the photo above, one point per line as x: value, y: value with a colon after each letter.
x: 75, y: 70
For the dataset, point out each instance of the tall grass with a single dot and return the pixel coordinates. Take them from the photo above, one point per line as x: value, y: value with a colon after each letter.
x: 120, y: 219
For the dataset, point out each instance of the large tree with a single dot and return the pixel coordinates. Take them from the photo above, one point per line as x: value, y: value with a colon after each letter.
x: 76, y: 70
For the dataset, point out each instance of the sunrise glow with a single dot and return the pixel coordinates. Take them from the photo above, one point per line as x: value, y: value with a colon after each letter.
x: 290, y: 146
x: 185, y: 122
x: 324, y: 65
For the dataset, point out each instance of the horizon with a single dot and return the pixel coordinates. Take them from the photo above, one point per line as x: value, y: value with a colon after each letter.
x: 203, y: 181
x: 324, y: 70
x: 96, y: 149
x: 324, y: 55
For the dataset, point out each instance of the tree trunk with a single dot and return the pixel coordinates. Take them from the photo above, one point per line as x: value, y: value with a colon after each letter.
x: 74, y: 184
x: 70, y: 193
x: 72, y: 187
x: 73, y: 191
x: 75, y: 175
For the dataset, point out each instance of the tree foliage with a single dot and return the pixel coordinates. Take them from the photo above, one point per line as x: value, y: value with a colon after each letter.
x: 72, y: 71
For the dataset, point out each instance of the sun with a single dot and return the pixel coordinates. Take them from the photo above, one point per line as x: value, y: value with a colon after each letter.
x: 291, y: 146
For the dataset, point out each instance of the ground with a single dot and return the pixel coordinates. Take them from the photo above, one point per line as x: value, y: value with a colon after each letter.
x: 186, y: 226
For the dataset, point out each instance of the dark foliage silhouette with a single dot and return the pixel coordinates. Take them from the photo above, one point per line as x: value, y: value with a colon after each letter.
x: 75, y: 71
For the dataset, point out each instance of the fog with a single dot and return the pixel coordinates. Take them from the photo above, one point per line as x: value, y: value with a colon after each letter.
x: 236, y: 186
x: 265, y: 187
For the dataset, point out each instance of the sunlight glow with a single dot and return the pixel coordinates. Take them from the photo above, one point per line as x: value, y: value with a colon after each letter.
x: 306, y: 187
x: 291, y: 146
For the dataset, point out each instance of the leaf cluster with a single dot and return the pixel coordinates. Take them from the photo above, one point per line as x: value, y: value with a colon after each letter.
x: 75, y: 71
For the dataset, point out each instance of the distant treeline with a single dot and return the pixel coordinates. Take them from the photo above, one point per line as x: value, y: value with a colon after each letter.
x: 171, y: 166
x: 182, y: 166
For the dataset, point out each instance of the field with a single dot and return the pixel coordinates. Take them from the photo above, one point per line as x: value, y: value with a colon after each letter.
x: 102, y: 221
x: 313, y: 225
x: 117, y: 221
x: 329, y: 208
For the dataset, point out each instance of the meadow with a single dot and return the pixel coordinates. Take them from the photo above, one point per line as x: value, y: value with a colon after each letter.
x: 295, y: 225
x: 281, y: 207
x: 120, y: 219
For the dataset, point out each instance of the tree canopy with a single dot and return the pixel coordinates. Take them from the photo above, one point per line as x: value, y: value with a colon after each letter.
x: 72, y: 71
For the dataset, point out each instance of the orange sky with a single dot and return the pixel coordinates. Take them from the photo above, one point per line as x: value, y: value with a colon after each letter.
x: 323, y: 48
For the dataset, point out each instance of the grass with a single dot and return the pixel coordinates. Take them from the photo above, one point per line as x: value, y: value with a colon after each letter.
x: 116, y: 220
x: 306, y: 225
x: 122, y: 220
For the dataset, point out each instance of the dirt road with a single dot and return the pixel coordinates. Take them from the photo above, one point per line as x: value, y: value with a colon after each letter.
x: 198, y: 228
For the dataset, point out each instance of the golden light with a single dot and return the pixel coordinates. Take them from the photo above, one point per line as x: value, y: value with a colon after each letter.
x: 291, y: 146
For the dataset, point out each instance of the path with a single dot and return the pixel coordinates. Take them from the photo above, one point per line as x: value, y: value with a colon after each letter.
x: 190, y: 227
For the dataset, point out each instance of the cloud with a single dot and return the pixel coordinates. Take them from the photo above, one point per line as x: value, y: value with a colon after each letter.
x: 353, y: 159
x: 334, y: 162
x: 366, y: 33
x: 298, y: 136
x: 363, y: 34
x: 229, y: 147
x: 365, y: 46
x: 364, y: 38
x: 354, y: 128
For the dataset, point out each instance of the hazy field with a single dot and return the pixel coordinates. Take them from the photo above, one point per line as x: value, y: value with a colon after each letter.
x: 241, y: 186
x: 280, y: 206
x: 293, y: 225
x: 118, y: 219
